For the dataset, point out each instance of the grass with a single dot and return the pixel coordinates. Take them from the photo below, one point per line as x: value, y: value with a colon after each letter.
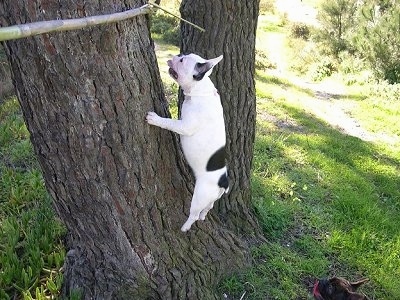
x: 31, y: 250
x: 328, y: 202
x: 329, y: 205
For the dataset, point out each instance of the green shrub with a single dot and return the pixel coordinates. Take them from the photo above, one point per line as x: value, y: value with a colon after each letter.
x: 262, y: 61
x: 337, y: 20
x: 267, y: 6
x: 324, y: 68
x: 386, y: 92
x: 377, y: 39
x: 304, y: 54
x: 351, y: 64
x: 166, y: 28
x: 300, y: 30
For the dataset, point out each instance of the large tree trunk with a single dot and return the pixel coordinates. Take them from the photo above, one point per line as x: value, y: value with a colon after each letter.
x: 230, y: 30
x: 117, y: 183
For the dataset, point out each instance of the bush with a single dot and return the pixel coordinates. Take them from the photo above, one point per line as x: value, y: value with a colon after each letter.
x: 385, y: 91
x: 166, y: 28
x: 377, y: 39
x: 262, y: 61
x: 337, y: 19
x: 267, y: 6
x: 351, y: 64
x: 303, y: 55
x: 300, y: 30
x: 324, y: 68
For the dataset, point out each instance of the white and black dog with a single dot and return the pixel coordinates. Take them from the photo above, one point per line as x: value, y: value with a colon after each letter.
x: 201, y: 129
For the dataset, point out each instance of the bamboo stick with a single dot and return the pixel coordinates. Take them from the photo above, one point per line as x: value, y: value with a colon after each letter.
x: 31, y: 29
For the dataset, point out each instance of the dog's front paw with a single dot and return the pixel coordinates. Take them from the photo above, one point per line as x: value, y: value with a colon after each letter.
x: 152, y: 118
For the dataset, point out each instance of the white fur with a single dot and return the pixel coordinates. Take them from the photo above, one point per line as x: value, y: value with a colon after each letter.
x: 201, y: 129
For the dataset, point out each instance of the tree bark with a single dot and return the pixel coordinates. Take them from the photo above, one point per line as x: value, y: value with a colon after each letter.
x: 6, y: 86
x: 230, y: 30
x: 117, y: 183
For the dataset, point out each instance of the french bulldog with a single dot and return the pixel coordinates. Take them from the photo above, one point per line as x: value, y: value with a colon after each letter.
x: 338, y: 288
x: 202, y: 131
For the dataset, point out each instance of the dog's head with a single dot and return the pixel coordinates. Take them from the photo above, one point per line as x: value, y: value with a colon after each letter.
x: 189, y: 69
x: 337, y: 288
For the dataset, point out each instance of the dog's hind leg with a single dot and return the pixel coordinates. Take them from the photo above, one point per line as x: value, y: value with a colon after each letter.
x: 196, y: 206
x: 205, y: 211
x: 203, y: 199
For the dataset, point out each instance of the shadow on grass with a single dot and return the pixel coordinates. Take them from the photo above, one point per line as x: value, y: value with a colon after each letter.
x: 286, y: 84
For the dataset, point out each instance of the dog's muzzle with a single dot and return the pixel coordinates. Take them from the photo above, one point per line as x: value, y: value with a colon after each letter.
x: 171, y: 71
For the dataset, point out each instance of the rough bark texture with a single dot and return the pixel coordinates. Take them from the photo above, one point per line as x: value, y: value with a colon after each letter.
x: 116, y: 182
x: 230, y: 30
x: 6, y: 86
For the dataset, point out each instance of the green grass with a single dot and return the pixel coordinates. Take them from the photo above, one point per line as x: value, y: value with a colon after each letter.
x: 31, y: 250
x: 378, y: 108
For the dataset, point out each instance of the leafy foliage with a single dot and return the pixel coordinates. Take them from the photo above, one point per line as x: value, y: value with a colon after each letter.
x: 166, y: 28
x: 337, y: 19
x: 262, y: 61
x: 377, y: 38
x: 300, y: 30
x: 369, y: 29
x: 267, y: 6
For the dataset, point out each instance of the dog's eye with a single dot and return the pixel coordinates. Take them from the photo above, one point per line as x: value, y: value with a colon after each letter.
x: 330, y: 289
x: 181, y: 60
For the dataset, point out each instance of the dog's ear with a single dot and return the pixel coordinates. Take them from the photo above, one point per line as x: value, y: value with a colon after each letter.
x: 202, y: 68
x: 355, y: 296
x: 356, y: 284
x: 216, y: 60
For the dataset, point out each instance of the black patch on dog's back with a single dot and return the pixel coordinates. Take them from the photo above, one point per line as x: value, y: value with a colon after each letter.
x: 217, y: 160
x: 223, y: 181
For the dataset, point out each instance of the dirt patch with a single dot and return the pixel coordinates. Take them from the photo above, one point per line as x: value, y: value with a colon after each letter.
x: 282, y: 124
